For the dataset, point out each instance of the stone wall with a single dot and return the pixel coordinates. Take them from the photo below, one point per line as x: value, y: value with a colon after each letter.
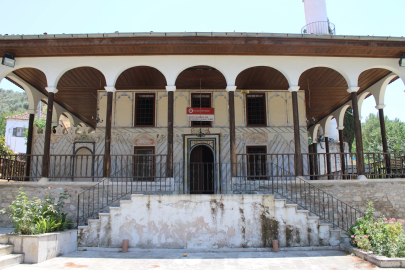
x: 9, y: 191
x: 387, y: 195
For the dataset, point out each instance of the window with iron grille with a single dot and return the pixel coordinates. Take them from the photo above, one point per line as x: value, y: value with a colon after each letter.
x: 144, y: 163
x: 255, y: 110
x: 256, y: 162
x: 205, y: 100
x: 145, y: 110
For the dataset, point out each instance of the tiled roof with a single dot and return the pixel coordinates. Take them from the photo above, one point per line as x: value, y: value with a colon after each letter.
x: 23, y: 116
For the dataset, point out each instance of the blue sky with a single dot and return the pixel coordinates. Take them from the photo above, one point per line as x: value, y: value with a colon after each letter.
x: 351, y: 17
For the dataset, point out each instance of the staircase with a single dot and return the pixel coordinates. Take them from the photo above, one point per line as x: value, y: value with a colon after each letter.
x: 8, y: 259
x: 205, y: 222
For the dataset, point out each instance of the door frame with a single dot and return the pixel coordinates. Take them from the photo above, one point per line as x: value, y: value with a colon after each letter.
x: 211, y: 141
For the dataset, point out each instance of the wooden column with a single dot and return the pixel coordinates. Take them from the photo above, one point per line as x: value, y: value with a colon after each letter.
x: 107, y: 149
x: 170, y: 119
x: 328, y: 166
x: 232, y: 142
x: 384, y: 140
x: 315, y: 151
x: 342, y: 151
x: 357, y: 133
x: 297, y: 140
x: 48, y: 131
x: 29, y: 146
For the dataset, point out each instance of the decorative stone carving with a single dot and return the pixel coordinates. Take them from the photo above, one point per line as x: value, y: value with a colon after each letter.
x: 257, y: 138
x: 144, y: 140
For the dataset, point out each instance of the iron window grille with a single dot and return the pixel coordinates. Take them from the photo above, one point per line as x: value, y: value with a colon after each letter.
x: 144, y: 163
x: 255, y: 109
x: 145, y: 110
x: 256, y: 163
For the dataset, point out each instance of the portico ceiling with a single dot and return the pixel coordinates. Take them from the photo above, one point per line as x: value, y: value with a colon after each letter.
x: 325, y: 89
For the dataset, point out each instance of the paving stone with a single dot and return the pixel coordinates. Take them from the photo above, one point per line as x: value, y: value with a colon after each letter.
x: 89, y: 260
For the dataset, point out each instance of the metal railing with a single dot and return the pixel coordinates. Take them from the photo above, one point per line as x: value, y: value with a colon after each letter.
x: 322, y: 27
x: 215, y: 178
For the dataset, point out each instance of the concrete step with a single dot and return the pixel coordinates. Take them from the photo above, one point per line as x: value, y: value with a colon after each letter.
x: 6, y: 249
x: 11, y: 260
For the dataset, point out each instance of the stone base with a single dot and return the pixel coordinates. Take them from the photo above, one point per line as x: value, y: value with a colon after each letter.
x: 380, y: 261
x: 42, y: 247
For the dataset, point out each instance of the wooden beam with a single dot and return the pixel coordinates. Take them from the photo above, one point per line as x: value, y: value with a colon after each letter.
x: 107, y: 149
x: 29, y: 146
x: 384, y: 140
x: 357, y: 133
x: 298, y: 164
x: 342, y: 150
x: 232, y: 143
x: 170, y: 130
x: 48, y: 131
x: 328, y: 166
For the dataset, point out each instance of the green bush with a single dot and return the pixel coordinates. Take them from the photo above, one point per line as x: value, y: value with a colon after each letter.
x: 382, y: 236
x: 36, y: 216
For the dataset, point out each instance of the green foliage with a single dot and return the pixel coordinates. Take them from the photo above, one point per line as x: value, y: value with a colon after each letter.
x: 4, y: 149
x: 382, y: 236
x: 348, y: 131
x: 371, y: 133
x: 36, y: 216
x: 41, y: 123
x: 11, y: 101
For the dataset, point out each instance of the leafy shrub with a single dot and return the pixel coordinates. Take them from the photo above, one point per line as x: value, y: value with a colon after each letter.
x: 36, y: 216
x: 382, y: 236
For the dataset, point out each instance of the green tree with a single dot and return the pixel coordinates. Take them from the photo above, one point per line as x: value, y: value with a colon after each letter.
x: 371, y: 134
x: 4, y: 149
x: 348, y: 131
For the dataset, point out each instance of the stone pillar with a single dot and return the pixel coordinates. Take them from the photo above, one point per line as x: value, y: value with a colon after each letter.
x: 342, y: 151
x: 29, y: 144
x: 384, y: 137
x: 298, y: 164
x: 170, y: 129
x: 232, y: 141
x: 108, y: 122
x: 357, y: 132
x: 48, y: 131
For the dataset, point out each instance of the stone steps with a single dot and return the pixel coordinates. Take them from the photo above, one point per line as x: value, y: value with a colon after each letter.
x: 154, y: 221
x: 8, y: 259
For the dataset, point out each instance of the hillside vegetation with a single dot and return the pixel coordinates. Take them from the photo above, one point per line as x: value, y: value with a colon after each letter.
x: 11, y: 103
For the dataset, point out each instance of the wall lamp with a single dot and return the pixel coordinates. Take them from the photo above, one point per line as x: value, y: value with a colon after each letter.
x: 8, y: 59
x: 402, y: 60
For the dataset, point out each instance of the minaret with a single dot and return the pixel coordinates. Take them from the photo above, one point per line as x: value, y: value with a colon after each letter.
x: 316, y: 18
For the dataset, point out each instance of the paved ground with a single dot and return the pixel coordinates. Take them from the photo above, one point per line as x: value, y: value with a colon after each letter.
x: 328, y: 259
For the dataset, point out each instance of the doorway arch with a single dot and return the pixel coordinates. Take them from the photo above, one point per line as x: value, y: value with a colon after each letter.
x: 201, y: 167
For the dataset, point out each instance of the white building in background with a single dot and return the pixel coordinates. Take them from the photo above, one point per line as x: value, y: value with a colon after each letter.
x: 15, y: 130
